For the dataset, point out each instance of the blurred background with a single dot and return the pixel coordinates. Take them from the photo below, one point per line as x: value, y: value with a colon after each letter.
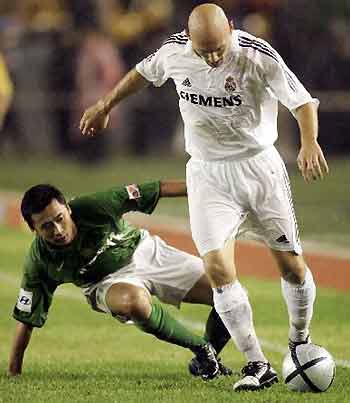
x: 57, y: 57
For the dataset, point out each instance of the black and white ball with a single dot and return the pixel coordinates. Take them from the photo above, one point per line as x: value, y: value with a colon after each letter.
x: 311, y: 368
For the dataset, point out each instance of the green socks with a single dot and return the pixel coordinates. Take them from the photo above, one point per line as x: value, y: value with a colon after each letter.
x: 162, y: 325
x: 216, y: 332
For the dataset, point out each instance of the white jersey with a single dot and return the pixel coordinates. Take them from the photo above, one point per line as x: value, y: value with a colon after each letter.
x: 230, y: 111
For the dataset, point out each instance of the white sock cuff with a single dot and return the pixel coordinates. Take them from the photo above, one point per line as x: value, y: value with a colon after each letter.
x: 227, y: 296
x: 309, y: 279
x: 307, y: 289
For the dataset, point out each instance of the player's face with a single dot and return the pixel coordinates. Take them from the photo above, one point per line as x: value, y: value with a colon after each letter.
x: 213, y: 56
x: 214, y: 48
x: 54, y: 224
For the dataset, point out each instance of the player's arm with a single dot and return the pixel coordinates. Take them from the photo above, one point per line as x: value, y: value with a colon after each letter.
x: 292, y: 94
x: 20, y: 342
x: 172, y: 188
x: 117, y: 201
x: 152, y: 69
x: 95, y: 118
x: 311, y: 160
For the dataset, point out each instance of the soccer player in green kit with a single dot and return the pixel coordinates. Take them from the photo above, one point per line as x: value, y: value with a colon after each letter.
x: 118, y: 267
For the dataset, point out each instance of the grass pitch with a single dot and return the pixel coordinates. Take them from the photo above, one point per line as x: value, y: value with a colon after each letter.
x: 83, y: 356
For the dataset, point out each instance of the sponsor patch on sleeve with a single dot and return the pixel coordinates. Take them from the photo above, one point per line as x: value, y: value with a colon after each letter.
x: 24, y: 302
x: 133, y: 192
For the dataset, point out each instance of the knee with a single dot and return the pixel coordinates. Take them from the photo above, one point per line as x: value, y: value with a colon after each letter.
x: 292, y: 267
x: 220, y: 271
x: 132, y: 303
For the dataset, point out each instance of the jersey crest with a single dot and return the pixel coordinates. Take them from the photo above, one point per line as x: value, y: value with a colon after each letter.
x: 230, y: 84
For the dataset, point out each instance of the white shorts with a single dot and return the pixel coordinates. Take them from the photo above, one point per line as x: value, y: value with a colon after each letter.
x: 162, y: 270
x: 222, y: 195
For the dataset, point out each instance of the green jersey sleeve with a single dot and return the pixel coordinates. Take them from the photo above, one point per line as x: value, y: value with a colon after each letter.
x: 119, y: 200
x: 36, y: 292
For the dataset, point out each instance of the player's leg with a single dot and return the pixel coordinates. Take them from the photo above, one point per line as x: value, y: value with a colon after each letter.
x: 299, y: 293
x: 273, y: 207
x: 215, y: 331
x: 127, y: 301
x: 231, y: 301
x: 209, y: 192
x: 160, y: 270
x: 135, y: 303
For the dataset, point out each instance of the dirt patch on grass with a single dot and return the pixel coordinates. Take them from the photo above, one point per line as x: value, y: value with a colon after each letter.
x: 256, y: 260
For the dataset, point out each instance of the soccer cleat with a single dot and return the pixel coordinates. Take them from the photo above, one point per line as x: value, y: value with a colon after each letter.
x: 195, y: 368
x: 257, y: 375
x: 225, y: 371
x: 292, y: 345
x: 205, y: 363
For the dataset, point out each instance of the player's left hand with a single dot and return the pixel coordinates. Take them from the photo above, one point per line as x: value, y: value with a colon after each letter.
x: 311, y: 162
x: 94, y: 120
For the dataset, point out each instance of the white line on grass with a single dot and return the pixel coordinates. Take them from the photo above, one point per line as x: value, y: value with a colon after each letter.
x: 194, y: 325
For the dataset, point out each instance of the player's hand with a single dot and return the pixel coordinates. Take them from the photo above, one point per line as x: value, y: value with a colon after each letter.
x: 311, y: 162
x: 95, y: 119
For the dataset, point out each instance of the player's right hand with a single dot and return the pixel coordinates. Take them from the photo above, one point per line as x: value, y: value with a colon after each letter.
x: 94, y: 119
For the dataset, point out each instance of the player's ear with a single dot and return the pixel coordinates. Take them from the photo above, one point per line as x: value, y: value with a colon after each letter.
x: 34, y: 230
x: 31, y: 226
x: 232, y: 27
x: 187, y: 32
x: 69, y: 209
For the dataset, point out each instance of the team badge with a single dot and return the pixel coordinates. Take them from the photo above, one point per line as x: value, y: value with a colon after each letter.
x: 133, y: 192
x: 230, y: 84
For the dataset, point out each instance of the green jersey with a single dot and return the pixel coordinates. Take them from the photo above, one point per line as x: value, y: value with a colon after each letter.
x: 104, y: 243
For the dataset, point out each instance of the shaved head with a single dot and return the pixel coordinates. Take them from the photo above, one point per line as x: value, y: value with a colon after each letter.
x: 210, y: 32
x: 207, y: 19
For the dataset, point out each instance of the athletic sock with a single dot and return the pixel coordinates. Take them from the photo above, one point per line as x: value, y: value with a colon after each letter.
x: 162, y: 325
x: 216, y: 332
x: 300, y: 302
x: 232, y: 304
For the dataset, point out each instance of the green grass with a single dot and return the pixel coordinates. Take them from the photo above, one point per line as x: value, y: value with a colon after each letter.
x: 83, y: 356
x: 323, y: 209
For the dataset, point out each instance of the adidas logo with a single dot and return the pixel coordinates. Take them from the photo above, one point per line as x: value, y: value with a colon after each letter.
x: 282, y: 239
x: 187, y: 83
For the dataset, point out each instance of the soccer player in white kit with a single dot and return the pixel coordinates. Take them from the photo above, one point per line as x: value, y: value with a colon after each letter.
x: 229, y: 84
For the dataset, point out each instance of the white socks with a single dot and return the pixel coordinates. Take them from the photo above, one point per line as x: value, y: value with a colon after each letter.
x: 300, y: 301
x: 232, y: 304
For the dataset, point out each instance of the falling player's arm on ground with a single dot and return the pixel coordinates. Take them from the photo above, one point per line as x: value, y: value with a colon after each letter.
x: 95, y: 117
x: 20, y: 342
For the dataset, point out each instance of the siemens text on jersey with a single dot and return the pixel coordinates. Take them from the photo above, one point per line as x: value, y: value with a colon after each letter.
x: 217, y: 102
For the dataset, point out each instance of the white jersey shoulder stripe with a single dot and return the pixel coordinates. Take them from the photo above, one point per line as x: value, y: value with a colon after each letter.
x: 180, y: 38
x: 262, y: 47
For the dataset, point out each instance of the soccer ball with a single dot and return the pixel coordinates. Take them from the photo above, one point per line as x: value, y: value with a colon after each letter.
x: 310, y: 369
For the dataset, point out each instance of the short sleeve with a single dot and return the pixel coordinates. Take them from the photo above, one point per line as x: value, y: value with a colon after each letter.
x: 153, y: 68
x: 284, y: 84
x: 35, y: 295
x: 118, y: 200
